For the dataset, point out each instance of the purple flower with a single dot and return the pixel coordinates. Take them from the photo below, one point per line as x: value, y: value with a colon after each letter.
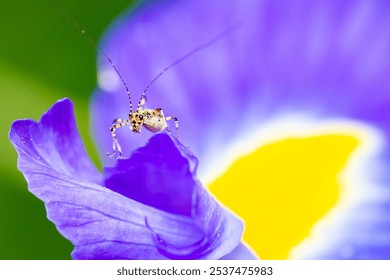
x: 315, y: 61
x: 150, y: 206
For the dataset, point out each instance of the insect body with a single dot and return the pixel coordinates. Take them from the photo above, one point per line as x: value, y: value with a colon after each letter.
x: 152, y: 120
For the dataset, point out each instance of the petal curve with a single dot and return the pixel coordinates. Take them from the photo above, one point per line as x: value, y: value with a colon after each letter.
x: 103, y: 224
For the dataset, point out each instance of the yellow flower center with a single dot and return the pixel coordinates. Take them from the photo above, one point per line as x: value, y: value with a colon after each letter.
x: 282, y: 189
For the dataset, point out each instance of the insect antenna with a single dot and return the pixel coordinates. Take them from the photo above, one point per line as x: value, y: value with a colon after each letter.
x: 195, y: 50
x: 78, y: 27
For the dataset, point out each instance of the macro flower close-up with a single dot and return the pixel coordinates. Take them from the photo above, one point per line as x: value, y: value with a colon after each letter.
x: 150, y: 206
x: 281, y: 108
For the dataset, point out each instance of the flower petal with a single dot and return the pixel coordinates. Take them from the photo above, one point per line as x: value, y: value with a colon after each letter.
x: 320, y: 59
x: 187, y: 90
x: 162, y: 174
x: 157, y: 175
x: 275, y: 63
x: 54, y: 143
x: 103, y: 224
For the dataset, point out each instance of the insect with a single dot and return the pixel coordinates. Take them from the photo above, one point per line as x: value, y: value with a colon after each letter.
x: 153, y: 120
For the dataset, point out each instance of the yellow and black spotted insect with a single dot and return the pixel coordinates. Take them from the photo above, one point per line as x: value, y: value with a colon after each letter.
x: 152, y: 119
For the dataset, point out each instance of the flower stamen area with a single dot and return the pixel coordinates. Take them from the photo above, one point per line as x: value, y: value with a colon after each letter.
x: 282, y: 189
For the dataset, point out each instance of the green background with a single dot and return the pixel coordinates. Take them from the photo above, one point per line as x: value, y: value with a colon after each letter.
x: 42, y: 58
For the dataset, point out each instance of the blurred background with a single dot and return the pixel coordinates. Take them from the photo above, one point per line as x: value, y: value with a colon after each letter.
x: 42, y: 58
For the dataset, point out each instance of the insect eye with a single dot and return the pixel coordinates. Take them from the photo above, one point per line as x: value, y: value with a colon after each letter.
x: 141, y: 117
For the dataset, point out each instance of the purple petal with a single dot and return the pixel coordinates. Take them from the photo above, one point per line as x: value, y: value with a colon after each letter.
x: 325, y: 65
x: 325, y: 60
x: 103, y: 224
x: 162, y: 175
x: 157, y: 175
x: 187, y: 91
x: 44, y: 143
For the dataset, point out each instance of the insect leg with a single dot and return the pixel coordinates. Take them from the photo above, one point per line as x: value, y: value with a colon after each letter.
x: 176, y: 124
x: 117, y: 123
